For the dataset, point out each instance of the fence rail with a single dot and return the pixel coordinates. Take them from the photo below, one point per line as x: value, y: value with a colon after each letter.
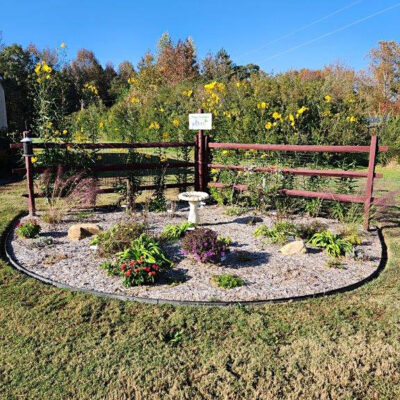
x: 202, y: 165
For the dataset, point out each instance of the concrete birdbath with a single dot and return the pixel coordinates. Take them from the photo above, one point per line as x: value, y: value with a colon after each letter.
x: 193, y: 198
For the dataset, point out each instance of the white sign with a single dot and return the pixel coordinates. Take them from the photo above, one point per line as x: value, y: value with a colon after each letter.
x: 200, y: 121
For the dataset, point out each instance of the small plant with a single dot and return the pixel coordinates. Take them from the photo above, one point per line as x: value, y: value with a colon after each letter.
x: 235, y: 211
x: 350, y: 232
x: 279, y: 233
x: 28, y: 229
x: 174, y: 232
x: 334, y: 245
x: 140, y: 264
x: 117, y: 239
x: 332, y: 263
x: 227, y: 281
x: 307, y: 231
x: 205, y: 245
x: 83, y: 215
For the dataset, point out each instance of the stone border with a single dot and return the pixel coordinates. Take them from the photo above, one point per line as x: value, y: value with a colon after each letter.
x: 5, y: 239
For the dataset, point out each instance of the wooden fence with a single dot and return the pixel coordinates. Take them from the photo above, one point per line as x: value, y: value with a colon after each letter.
x: 202, y: 165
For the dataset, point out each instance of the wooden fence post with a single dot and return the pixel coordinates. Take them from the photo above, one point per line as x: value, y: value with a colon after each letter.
x: 196, y: 163
x: 200, y: 161
x: 205, y: 163
x: 370, y: 180
x: 29, y: 179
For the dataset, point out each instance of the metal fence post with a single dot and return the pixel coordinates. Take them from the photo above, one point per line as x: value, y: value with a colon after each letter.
x: 370, y: 180
x: 28, y: 153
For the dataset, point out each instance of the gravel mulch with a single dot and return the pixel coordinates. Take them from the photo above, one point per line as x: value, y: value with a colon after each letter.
x: 266, y: 272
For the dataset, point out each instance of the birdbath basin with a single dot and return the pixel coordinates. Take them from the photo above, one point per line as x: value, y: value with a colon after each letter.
x: 193, y: 198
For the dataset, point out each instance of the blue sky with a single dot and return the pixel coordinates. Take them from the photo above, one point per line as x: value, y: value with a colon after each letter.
x: 277, y: 35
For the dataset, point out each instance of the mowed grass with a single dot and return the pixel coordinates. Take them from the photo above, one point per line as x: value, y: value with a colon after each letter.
x: 57, y: 344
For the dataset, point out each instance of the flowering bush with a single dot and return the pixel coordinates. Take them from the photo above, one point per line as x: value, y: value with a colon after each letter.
x: 28, y: 229
x: 205, y: 245
x: 141, y: 263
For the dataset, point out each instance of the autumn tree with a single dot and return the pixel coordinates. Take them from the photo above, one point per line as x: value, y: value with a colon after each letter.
x: 176, y: 62
x: 385, y: 69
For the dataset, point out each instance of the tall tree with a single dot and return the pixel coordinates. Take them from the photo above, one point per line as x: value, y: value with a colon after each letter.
x: 385, y: 68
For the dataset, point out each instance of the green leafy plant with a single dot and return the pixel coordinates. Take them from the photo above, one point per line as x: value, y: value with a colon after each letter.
x: 174, y: 232
x: 140, y: 264
x: 227, y: 281
x: 334, y: 245
x: 279, y: 233
x: 117, y: 239
x: 28, y: 229
x: 235, y: 211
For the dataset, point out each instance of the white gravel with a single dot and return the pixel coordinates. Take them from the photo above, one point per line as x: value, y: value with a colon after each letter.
x: 268, y: 275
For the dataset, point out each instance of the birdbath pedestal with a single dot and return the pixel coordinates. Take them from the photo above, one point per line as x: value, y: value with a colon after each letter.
x: 193, y: 198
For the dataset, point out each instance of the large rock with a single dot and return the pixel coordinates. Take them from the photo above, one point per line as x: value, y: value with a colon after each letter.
x: 81, y: 231
x: 294, y: 248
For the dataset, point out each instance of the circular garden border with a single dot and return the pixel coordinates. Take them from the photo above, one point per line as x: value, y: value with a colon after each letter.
x: 5, y: 239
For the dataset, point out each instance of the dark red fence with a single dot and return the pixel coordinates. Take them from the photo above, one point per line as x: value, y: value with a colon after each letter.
x: 367, y: 199
x: 30, y: 169
x: 203, y: 147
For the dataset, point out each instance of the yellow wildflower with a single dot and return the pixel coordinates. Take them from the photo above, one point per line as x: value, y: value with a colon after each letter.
x: 34, y: 159
x: 99, y: 157
x: 163, y: 158
x: 262, y: 105
x: 134, y: 100
x: 101, y: 124
x: 175, y: 122
x: 301, y: 110
x: 225, y: 152
x: 214, y: 170
x: 268, y: 125
x: 165, y: 136
x: 65, y: 131
x: 69, y: 148
x: 56, y: 132
x: 276, y: 115
x: 328, y: 98
x: 187, y: 93
x: 237, y: 84
x: 352, y: 118
x: 63, y: 45
x: 162, y: 109
x: 154, y: 125
x: 132, y: 81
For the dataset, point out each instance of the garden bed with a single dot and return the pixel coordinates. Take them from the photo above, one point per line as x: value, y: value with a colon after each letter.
x: 267, y: 274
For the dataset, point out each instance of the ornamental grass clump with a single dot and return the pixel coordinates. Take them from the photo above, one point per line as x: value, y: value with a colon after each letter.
x: 205, y: 245
x: 28, y: 229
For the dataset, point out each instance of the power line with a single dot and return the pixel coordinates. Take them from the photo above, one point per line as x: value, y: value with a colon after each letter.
x: 304, y: 27
x: 342, y: 28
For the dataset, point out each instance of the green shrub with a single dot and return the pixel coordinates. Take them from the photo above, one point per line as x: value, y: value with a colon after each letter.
x: 117, y: 239
x: 28, y: 229
x: 227, y: 281
x: 279, y: 233
x: 307, y: 231
x: 334, y: 245
x: 174, y: 232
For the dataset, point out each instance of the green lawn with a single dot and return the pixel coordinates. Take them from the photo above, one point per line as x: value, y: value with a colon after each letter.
x: 57, y: 344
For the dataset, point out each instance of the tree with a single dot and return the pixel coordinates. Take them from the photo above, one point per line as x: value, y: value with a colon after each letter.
x: 176, y: 63
x: 385, y: 68
x: 16, y: 65
x: 218, y: 66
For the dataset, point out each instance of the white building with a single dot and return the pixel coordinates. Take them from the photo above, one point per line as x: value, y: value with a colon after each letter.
x: 3, y: 113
